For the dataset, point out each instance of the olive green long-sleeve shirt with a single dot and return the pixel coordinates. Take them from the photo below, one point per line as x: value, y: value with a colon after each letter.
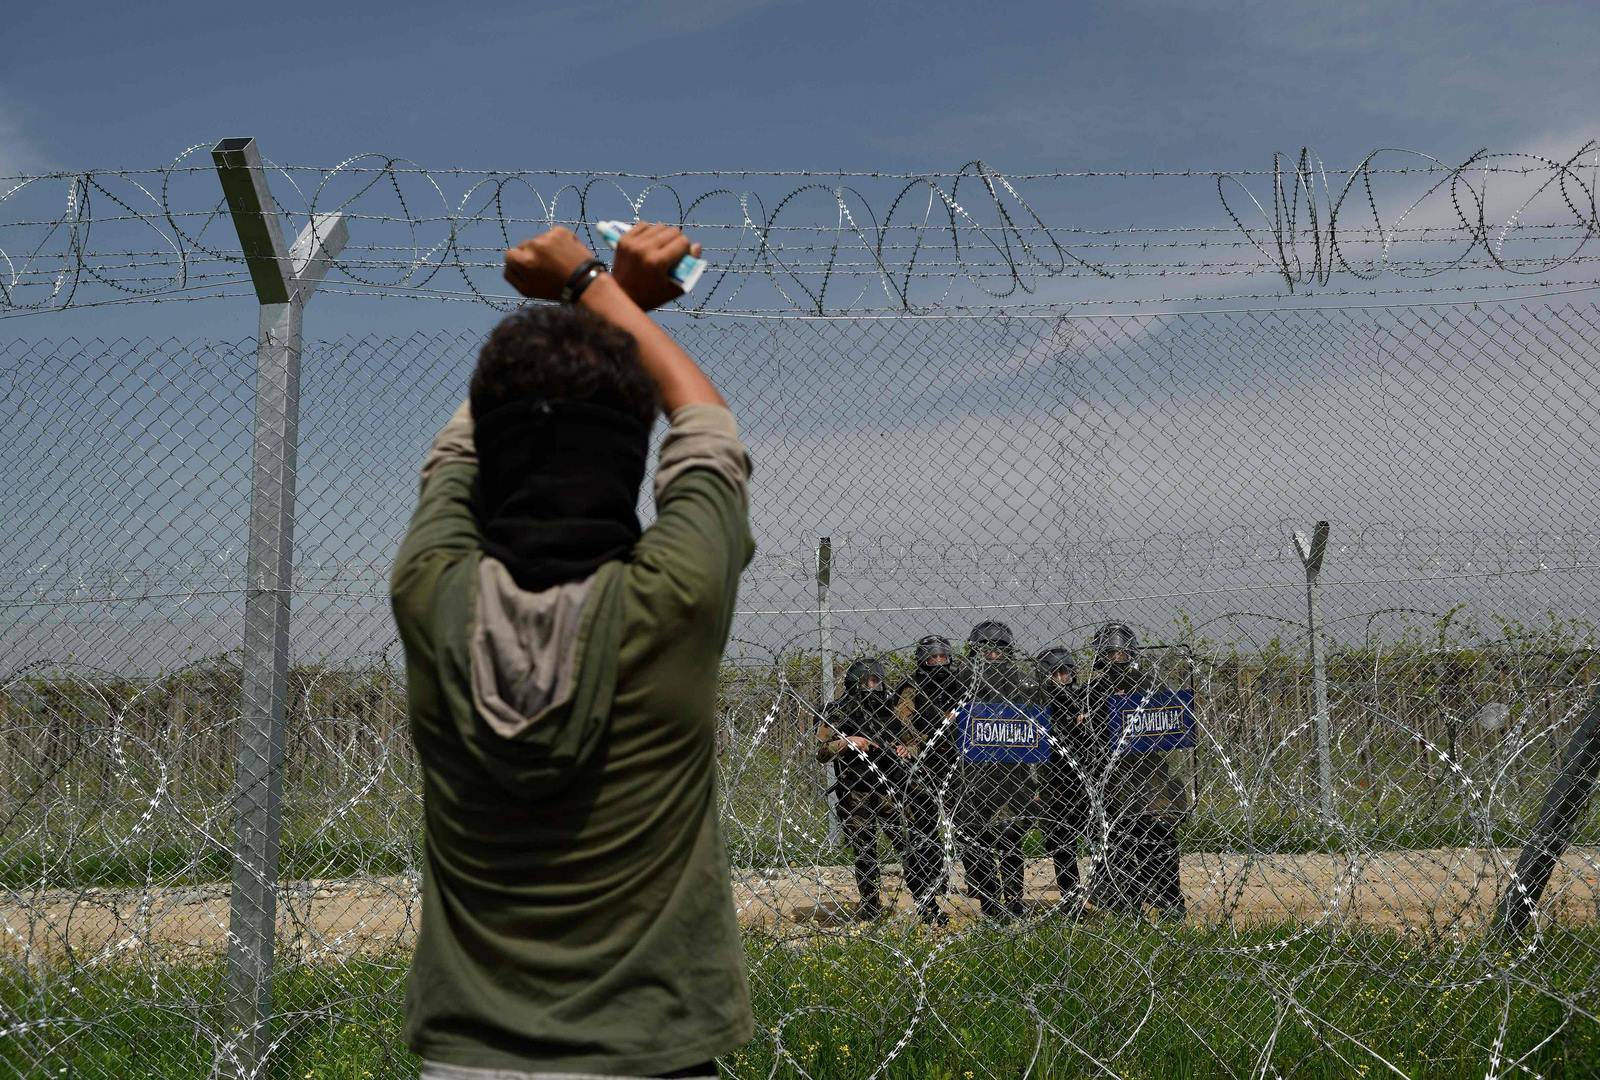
x: 577, y: 911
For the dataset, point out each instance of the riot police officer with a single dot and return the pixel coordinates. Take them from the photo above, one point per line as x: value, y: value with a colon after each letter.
x: 928, y: 701
x: 1144, y: 800
x: 995, y: 800
x: 860, y: 732
x: 1075, y: 768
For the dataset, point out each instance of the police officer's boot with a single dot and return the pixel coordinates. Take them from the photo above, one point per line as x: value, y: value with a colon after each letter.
x: 871, y: 905
x: 866, y: 867
x: 1011, y: 867
x: 1071, y: 904
x: 1168, y: 891
x: 983, y: 881
x: 1066, y: 866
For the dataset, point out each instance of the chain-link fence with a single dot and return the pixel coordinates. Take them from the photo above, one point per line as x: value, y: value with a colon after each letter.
x: 1052, y: 474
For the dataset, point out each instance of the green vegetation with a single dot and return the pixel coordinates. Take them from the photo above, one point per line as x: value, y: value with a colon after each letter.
x: 1144, y: 1002
x: 106, y: 780
x: 1149, y: 1004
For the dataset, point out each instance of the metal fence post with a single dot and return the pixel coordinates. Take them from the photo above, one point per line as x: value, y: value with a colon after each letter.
x: 825, y: 651
x: 1559, y: 816
x: 1311, y: 552
x: 283, y: 282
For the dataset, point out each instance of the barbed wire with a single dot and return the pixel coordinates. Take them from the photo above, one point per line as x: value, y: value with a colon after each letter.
x: 840, y: 242
x: 1325, y: 910
x: 1052, y: 469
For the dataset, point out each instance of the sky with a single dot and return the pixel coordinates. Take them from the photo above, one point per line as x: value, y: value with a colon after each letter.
x: 725, y: 84
x: 728, y: 84
x: 770, y: 85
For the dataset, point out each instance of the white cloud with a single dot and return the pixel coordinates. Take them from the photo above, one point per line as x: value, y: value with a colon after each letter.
x: 18, y: 155
x: 1168, y: 461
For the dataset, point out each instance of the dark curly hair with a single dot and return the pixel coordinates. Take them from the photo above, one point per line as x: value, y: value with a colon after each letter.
x: 561, y: 352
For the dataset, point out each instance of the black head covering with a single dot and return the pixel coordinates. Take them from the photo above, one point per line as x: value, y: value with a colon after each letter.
x: 1055, y: 658
x: 1115, y: 635
x: 863, y: 668
x: 933, y: 645
x: 558, y: 487
x: 990, y: 634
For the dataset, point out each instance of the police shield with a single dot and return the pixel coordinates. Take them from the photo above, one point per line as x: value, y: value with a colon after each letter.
x: 1003, y: 733
x: 1150, y: 722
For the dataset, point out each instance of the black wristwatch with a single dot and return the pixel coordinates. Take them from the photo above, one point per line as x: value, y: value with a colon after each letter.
x: 581, y: 279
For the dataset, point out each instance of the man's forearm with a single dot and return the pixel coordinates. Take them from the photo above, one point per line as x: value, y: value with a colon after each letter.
x: 453, y: 443
x: 829, y: 746
x: 677, y: 376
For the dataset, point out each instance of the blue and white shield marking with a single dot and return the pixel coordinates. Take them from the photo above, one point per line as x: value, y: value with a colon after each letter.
x: 1151, y: 722
x: 1004, y: 733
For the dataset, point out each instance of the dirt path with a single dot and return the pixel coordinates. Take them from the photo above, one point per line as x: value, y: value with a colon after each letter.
x: 1433, y: 891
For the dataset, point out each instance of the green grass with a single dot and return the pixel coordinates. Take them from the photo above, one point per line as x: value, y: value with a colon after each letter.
x: 1212, y: 1006
x: 1144, y: 1002
x: 107, y: 864
x: 169, y: 1022
x: 84, y: 754
x: 81, y: 836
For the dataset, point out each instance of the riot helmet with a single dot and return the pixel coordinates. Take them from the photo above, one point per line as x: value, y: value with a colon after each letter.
x: 1056, y: 660
x: 932, y: 647
x: 990, y: 637
x: 1115, y: 643
x: 862, y: 669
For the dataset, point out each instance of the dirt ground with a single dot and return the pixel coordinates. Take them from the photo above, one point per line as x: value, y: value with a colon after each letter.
x: 1434, y: 891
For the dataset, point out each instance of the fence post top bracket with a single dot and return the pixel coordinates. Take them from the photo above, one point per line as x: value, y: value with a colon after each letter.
x: 1311, y: 550
x: 279, y: 274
